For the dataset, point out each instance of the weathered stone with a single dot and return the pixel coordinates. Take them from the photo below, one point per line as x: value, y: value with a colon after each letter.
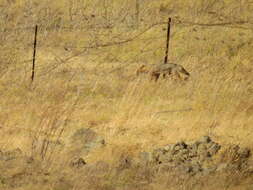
x: 179, y: 146
x: 244, y: 152
x: 168, y: 147
x: 164, y: 158
x: 10, y: 155
x: 78, y: 162
x: 157, y: 154
x: 145, y: 157
x: 85, y: 140
x: 214, y: 148
x: 193, y: 158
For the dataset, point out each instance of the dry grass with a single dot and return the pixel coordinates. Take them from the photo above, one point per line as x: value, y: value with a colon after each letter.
x: 99, y: 90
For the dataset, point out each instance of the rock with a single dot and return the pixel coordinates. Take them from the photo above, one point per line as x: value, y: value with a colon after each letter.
x: 10, y: 155
x: 213, y: 148
x: 195, y: 159
x: 77, y: 163
x: 202, y: 149
x: 179, y: 146
x: 244, y: 153
x: 168, y: 147
x: 196, y: 168
x: 145, y: 158
x: 156, y: 154
x: 84, y: 140
x: 165, y: 158
x: 184, y: 157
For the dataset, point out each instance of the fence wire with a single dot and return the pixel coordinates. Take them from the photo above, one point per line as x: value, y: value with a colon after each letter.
x: 247, y: 25
x: 30, y: 30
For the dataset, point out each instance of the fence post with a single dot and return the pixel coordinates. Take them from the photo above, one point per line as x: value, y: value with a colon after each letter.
x: 34, y: 52
x: 168, y: 42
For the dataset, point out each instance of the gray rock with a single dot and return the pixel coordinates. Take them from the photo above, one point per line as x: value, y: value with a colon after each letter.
x: 197, y: 158
x: 196, y: 167
x: 165, y: 158
x: 77, y: 163
x: 84, y: 140
x: 184, y: 152
x: 156, y: 154
x: 213, y: 148
x: 10, y: 155
x: 168, y: 147
x: 244, y: 152
x: 145, y: 158
x: 179, y: 146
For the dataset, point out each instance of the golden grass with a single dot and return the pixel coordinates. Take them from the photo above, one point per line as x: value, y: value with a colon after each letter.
x: 99, y: 90
x: 131, y: 114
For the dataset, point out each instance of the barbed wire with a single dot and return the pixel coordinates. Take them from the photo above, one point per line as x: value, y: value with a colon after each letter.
x: 233, y: 24
x: 56, y: 28
x: 57, y: 62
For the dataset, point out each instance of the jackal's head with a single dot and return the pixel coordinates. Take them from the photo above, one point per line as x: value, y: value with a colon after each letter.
x: 142, y: 69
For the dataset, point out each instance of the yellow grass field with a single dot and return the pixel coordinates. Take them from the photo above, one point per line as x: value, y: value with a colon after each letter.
x: 85, y: 78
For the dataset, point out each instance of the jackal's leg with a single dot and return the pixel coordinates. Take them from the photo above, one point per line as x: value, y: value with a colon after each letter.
x: 178, y: 75
x: 183, y: 71
x: 155, y: 76
x: 170, y: 72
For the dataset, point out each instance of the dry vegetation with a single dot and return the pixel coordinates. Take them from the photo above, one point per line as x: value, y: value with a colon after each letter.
x: 88, y: 51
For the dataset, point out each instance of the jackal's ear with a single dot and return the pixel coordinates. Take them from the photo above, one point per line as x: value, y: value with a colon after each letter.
x: 143, y: 66
x: 186, y: 78
x: 140, y: 69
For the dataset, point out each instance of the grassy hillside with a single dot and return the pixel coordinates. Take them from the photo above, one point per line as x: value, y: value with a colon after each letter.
x: 87, y: 55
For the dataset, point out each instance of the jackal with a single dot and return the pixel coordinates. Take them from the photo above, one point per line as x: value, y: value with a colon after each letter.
x: 156, y: 70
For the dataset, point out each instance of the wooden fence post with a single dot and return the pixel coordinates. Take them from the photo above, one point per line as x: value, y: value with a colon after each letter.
x: 168, y: 42
x: 34, y: 52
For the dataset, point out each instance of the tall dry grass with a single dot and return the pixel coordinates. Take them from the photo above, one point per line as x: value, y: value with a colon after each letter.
x: 99, y: 90
x: 133, y: 113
